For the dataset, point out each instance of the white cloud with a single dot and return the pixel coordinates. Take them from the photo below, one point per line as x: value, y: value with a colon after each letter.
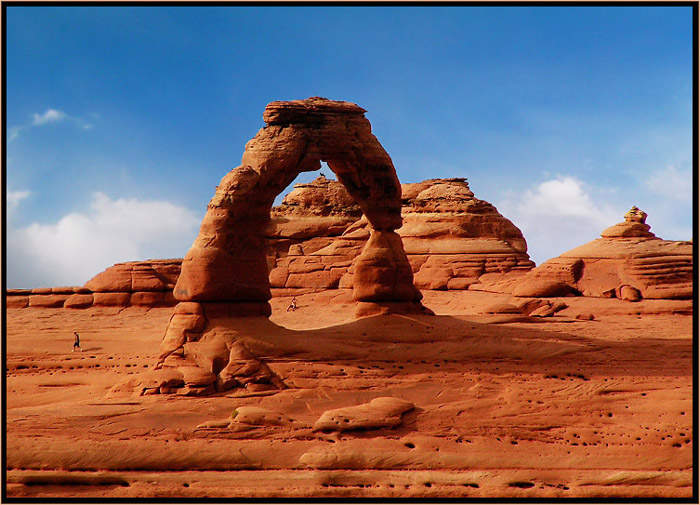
x: 14, y: 197
x: 80, y: 245
x: 672, y: 183
x: 558, y: 215
x: 50, y: 116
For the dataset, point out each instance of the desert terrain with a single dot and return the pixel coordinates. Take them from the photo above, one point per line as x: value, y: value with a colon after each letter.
x: 504, y: 405
x: 425, y: 355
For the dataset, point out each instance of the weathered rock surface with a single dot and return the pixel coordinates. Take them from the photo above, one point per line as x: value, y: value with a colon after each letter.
x: 451, y: 239
x: 488, y: 397
x: 197, y: 358
x: 259, y: 416
x: 382, y: 412
x: 135, y: 276
x: 627, y: 262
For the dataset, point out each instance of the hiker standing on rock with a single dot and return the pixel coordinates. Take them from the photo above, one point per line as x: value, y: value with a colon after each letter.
x: 293, y: 305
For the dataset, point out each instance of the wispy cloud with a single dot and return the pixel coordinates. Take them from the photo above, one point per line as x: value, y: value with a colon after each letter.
x: 82, y: 244
x: 14, y: 197
x: 14, y: 132
x: 50, y: 116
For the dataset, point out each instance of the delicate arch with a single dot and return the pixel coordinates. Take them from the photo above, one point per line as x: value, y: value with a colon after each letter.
x: 227, y: 261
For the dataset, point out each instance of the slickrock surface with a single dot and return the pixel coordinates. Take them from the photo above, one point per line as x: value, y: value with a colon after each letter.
x: 627, y: 262
x: 506, y: 404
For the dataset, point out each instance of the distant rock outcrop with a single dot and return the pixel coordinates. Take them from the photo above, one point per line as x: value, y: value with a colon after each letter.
x: 137, y: 276
x: 450, y: 237
x: 627, y: 262
x: 145, y: 283
x: 315, y: 236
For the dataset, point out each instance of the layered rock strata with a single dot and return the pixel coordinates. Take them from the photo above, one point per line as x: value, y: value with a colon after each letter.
x: 135, y: 283
x: 450, y: 237
x: 627, y: 262
x: 452, y: 240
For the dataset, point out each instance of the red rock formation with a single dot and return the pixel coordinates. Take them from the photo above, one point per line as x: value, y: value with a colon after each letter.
x: 146, y: 283
x: 450, y: 237
x: 452, y: 240
x: 227, y: 262
x: 136, y: 276
x: 627, y: 262
x: 384, y: 412
x: 226, y: 274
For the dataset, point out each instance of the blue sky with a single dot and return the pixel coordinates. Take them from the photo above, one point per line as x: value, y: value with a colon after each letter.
x: 122, y: 120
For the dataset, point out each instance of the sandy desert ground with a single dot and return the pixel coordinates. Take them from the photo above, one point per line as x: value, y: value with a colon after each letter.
x: 505, y: 405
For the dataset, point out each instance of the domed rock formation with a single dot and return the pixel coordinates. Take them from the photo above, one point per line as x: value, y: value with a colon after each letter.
x: 142, y: 283
x: 627, y: 262
x: 453, y: 238
x: 136, y: 283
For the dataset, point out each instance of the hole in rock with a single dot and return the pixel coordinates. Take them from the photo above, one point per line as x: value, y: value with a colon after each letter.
x: 305, y: 178
x: 523, y: 485
x: 318, y: 194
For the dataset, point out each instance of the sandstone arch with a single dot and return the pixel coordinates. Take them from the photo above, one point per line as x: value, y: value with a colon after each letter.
x: 225, y: 273
x: 227, y: 261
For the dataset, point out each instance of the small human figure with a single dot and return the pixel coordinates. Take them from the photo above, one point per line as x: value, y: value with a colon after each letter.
x: 293, y: 305
x: 77, y: 342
